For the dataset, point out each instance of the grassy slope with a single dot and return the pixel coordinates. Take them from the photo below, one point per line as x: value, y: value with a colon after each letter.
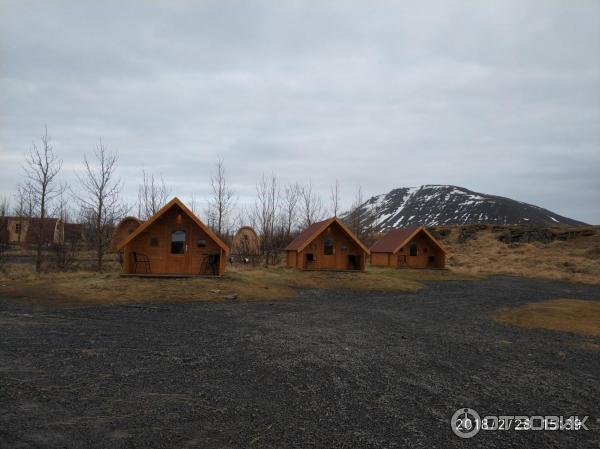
x: 574, y: 260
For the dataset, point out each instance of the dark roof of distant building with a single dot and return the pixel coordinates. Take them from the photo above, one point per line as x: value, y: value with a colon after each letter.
x: 397, y: 238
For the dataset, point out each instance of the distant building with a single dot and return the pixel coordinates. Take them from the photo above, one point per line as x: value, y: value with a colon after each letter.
x: 408, y: 248
x: 26, y: 231
x: 245, y: 242
x: 327, y: 245
x: 125, y: 227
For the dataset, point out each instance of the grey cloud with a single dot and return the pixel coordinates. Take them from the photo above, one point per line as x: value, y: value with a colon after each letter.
x: 501, y: 97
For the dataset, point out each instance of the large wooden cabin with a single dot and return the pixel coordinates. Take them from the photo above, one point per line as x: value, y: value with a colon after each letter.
x: 408, y: 248
x: 172, y: 242
x: 327, y: 245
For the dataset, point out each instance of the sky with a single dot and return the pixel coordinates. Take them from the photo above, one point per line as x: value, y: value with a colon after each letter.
x: 501, y: 97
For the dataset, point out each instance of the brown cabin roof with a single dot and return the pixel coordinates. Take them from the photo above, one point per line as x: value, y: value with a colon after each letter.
x: 397, y: 238
x: 310, y: 233
x: 174, y: 202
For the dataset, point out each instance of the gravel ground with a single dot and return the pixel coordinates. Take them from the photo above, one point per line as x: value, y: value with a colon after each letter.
x: 330, y: 370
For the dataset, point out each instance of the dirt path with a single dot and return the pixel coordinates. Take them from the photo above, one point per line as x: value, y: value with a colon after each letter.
x: 331, y: 370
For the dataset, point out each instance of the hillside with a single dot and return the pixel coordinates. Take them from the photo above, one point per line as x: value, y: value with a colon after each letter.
x: 434, y: 205
x: 570, y: 254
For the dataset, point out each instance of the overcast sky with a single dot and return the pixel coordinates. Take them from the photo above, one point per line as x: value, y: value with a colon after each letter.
x: 497, y: 96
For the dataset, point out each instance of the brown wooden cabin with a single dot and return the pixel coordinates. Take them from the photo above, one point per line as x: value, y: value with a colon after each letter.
x: 26, y: 231
x: 408, y: 248
x: 125, y: 227
x: 245, y: 242
x: 172, y: 242
x: 327, y: 245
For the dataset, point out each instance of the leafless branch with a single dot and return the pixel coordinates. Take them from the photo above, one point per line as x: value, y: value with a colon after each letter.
x: 41, y: 168
x: 222, y: 199
x: 99, y: 198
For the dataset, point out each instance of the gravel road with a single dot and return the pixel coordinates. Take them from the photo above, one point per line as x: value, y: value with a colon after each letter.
x: 327, y: 370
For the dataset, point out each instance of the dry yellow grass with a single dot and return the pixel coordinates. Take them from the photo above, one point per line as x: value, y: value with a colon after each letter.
x: 246, y: 284
x: 567, y: 315
x: 573, y: 260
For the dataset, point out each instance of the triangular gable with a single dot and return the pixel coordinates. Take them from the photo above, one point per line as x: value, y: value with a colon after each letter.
x: 413, y: 234
x: 313, y: 231
x: 174, y: 202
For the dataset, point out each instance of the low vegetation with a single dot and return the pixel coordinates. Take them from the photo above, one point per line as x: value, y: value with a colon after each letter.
x: 566, y: 315
x: 481, y: 252
x: 244, y: 284
x: 474, y: 252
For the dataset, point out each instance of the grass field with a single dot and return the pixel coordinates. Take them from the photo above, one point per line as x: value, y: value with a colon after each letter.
x: 566, y: 315
x: 573, y: 260
x: 244, y: 284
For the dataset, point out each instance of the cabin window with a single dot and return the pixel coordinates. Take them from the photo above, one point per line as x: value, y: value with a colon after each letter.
x: 344, y: 248
x: 18, y: 228
x: 328, y: 247
x: 310, y: 257
x: 413, y: 248
x: 201, y: 243
x: 153, y: 241
x: 178, y: 242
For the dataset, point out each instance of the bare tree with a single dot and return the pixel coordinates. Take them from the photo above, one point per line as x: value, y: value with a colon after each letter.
x: 194, y: 205
x: 4, y: 206
x: 334, y: 192
x: 264, y: 216
x: 62, y: 209
x: 42, y: 166
x: 153, y: 194
x: 67, y: 245
x: 222, y: 198
x: 311, y: 206
x: 291, y: 196
x: 4, y: 237
x: 100, y: 199
x: 356, y: 216
x: 25, y: 201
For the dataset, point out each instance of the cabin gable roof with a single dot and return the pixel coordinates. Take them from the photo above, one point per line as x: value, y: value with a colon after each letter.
x: 174, y: 202
x: 397, y: 238
x: 303, y: 239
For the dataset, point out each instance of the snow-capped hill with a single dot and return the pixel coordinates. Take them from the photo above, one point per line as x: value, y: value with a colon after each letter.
x: 431, y: 205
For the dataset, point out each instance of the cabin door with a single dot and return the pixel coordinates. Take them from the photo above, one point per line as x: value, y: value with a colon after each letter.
x: 178, y: 259
x: 328, y: 258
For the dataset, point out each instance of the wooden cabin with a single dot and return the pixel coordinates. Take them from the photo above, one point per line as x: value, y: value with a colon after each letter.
x: 408, y: 248
x: 246, y: 242
x: 26, y: 231
x: 125, y: 227
x: 327, y: 245
x: 172, y: 242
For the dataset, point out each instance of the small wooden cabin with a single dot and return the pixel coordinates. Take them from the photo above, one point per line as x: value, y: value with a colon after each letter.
x: 172, y: 242
x: 327, y: 245
x: 245, y: 242
x: 125, y: 227
x: 26, y: 231
x: 408, y: 248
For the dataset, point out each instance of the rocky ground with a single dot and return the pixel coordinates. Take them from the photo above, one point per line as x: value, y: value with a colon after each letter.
x: 329, y: 369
